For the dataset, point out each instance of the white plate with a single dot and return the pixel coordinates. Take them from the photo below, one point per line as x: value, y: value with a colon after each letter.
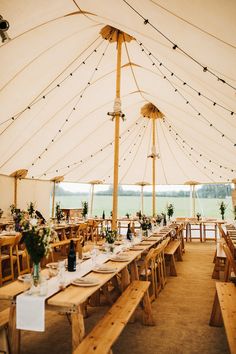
x: 104, y: 269
x: 85, y: 282
x: 25, y: 277
x: 120, y: 258
x: 53, y: 265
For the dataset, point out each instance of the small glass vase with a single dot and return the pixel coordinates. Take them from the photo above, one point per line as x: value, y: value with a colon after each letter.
x: 36, y: 274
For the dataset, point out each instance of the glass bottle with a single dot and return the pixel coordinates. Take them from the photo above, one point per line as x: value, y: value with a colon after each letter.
x: 72, y: 258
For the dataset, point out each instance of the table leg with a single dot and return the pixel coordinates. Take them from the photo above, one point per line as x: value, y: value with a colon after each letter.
x: 216, y: 317
x: 14, y: 334
x: 134, y: 271
x: 77, y: 328
x: 147, y: 311
x: 125, y: 278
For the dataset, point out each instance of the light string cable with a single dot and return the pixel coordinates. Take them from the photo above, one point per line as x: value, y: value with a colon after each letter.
x: 80, y: 162
x: 160, y: 151
x: 223, y: 135
x: 72, y: 110
x: 153, y: 57
x: 129, y: 149
x: 50, y: 169
x: 43, y: 95
x: 172, y: 130
x: 135, y: 154
x: 188, y: 158
x: 175, y: 46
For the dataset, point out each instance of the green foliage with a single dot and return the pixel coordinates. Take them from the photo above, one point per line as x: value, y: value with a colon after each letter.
x: 223, y: 207
x: 110, y: 236
x: 31, y: 209
x: 37, y: 242
x: 170, y: 210
x: 59, y: 213
x: 85, y: 208
x: 198, y: 216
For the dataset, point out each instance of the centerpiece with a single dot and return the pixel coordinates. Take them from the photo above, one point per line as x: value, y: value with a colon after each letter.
x: 110, y: 238
x: 85, y: 209
x: 223, y: 207
x: 59, y: 213
x: 37, y: 242
x: 145, y: 224
x: 170, y: 210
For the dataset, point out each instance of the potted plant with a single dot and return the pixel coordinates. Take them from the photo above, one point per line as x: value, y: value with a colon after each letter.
x: 223, y: 207
x: 84, y: 209
x: 198, y: 216
x: 110, y: 238
x: 170, y: 210
x: 59, y: 213
x: 31, y: 209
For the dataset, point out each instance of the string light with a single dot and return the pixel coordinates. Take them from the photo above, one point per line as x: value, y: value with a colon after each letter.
x: 45, y: 95
x: 175, y: 46
x: 186, y: 144
x: 72, y: 110
x: 191, y: 105
x: 144, y: 48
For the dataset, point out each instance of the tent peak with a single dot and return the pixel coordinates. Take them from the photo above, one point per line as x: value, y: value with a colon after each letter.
x: 149, y: 110
x: 112, y: 34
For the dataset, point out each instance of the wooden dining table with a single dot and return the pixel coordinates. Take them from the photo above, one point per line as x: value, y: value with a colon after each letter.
x: 71, y: 299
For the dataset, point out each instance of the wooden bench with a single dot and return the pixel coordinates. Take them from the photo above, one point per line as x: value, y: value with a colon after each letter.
x: 4, y: 319
x: 173, y: 248
x: 224, y: 312
x: 106, y: 332
x: 220, y: 260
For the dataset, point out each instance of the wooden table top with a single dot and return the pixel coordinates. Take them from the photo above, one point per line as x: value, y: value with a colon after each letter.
x: 73, y: 296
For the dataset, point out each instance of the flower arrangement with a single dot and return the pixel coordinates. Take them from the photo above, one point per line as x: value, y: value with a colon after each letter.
x: 164, y: 218
x: 31, y: 209
x: 145, y: 223
x: 37, y: 242
x: 18, y: 216
x: 223, y: 207
x: 159, y: 219
x: 59, y: 213
x: 85, y: 209
x: 170, y: 210
x: 110, y: 236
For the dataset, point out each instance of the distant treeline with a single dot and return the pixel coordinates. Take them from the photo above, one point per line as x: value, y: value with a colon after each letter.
x: 205, y: 191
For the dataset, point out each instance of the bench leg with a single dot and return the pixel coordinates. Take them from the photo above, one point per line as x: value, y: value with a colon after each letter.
x: 14, y: 334
x: 179, y: 254
x: 216, y: 317
x: 77, y: 328
x: 173, y: 271
x: 147, y: 311
x: 134, y: 271
x: 125, y: 278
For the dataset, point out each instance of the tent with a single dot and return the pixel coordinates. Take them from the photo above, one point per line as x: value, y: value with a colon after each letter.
x: 58, y: 82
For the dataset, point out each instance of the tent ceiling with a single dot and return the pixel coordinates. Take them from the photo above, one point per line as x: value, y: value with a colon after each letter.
x: 57, y: 84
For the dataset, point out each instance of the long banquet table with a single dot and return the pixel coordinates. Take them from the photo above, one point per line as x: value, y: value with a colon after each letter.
x: 71, y: 299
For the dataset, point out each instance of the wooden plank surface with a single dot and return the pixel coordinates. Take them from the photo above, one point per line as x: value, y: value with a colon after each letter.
x: 227, y: 299
x: 102, y: 337
x: 172, y: 247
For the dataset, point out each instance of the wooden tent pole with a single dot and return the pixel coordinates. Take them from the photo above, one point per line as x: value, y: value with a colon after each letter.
x: 15, y: 191
x: 194, y: 210
x: 91, y: 204
x: 117, y: 133
x: 142, y: 198
x: 154, y: 168
x: 53, y: 198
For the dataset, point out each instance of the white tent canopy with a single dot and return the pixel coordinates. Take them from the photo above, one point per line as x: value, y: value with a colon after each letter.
x: 57, y: 83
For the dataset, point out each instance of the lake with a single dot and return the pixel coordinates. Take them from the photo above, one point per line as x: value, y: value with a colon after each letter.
x: 208, y: 207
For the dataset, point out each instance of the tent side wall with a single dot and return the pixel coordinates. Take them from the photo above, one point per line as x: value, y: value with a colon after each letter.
x: 38, y: 192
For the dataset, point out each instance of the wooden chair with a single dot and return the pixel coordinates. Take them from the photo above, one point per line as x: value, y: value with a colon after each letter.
x: 6, y: 255
x: 83, y: 231
x: 147, y: 271
x: 22, y: 257
x: 230, y: 264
